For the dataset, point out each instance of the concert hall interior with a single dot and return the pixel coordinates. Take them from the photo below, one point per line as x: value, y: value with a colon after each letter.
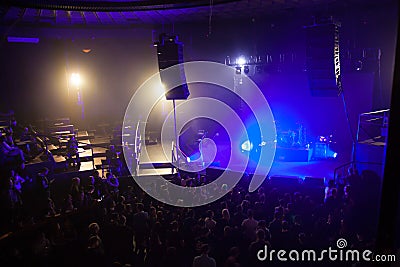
x: 197, y: 133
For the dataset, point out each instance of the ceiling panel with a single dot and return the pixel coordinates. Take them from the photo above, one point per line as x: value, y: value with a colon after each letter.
x: 158, y: 11
x: 62, y: 17
x: 77, y: 18
x: 118, y: 18
x: 30, y: 15
x: 105, y: 18
x: 91, y: 18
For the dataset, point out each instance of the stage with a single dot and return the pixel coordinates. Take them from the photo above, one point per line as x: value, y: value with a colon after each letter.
x: 317, y: 168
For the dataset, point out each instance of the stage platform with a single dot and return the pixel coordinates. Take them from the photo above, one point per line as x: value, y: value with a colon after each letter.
x: 304, y: 167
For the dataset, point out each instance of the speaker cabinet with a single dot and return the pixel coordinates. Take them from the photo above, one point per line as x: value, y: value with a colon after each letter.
x: 322, y: 59
x: 170, y: 53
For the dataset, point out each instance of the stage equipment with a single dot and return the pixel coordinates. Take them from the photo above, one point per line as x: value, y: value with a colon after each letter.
x: 246, y: 69
x: 294, y: 137
x: 238, y: 70
x: 170, y: 53
x: 322, y: 59
x: 325, y: 147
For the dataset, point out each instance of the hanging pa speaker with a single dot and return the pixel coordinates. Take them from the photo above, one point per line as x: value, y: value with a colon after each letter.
x: 170, y: 53
x: 322, y: 59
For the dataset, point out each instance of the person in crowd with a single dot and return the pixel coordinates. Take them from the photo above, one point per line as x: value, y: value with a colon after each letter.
x: 73, y: 152
x: 204, y: 260
x: 17, y: 181
x: 10, y: 204
x: 43, y: 182
x: 140, y: 227
x: 95, y: 254
x: 30, y: 145
x: 209, y: 221
x: 249, y: 227
x: 43, y: 189
x: 156, y: 249
x: 329, y: 188
x: 233, y: 259
x: 68, y: 204
x: 275, y: 227
x: 11, y: 155
x: 238, y: 216
x: 113, y: 159
x: 257, y: 245
x: 112, y: 184
x: 75, y: 191
x: 94, y: 229
x: 225, y: 220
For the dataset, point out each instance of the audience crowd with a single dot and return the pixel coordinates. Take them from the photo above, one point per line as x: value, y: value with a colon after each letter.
x: 104, y: 222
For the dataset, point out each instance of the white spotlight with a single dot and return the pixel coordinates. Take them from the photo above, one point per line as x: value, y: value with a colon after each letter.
x: 241, y: 61
x: 76, y: 79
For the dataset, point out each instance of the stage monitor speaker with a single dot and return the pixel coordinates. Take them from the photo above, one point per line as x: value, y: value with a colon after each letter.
x: 322, y: 59
x: 170, y: 53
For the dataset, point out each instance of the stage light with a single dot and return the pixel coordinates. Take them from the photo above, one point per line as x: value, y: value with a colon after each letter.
x: 330, y: 154
x: 194, y: 158
x: 246, y: 69
x: 241, y: 61
x: 76, y: 79
x: 86, y: 50
x: 359, y: 65
x: 247, y: 146
x: 238, y: 70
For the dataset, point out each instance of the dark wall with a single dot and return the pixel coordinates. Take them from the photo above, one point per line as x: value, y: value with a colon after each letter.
x: 35, y: 77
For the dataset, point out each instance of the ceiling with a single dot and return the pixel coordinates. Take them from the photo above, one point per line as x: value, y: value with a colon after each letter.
x: 125, y: 13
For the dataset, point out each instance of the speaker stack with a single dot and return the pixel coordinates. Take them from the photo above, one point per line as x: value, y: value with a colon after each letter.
x: 322, y: 59
x: 170, y: 53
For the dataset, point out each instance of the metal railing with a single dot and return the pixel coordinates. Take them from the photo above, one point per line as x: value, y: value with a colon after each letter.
x: 137, y: 149
x: 372, y: 126
x: 372, y: 129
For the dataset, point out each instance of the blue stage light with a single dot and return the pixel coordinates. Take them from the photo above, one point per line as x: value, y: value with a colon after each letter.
x: 193, y: 158
x: 331, y: 154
